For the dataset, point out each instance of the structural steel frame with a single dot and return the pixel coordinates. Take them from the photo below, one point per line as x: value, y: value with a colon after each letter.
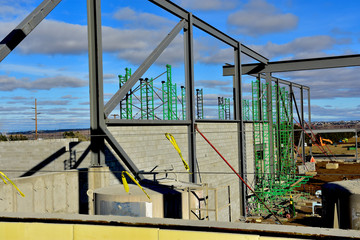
x: 99, y: 112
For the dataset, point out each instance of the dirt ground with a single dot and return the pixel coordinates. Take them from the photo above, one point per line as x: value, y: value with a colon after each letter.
x: 346, y: 171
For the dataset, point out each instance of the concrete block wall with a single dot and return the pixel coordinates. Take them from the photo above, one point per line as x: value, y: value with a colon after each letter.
x: 225, y: 139
x: 249, y: 153
x: 148, y: 147
x: 53, y: 192
x: 38, y: 156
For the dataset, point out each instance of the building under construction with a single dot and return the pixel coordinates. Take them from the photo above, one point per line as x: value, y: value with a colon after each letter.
x: 153, y: 153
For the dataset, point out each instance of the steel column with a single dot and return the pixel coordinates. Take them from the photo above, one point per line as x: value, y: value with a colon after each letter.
x: 190, y: 101
x: 240, y: 126
x: 270, y: 119
x: 97, y: 121
x: 302, y: 120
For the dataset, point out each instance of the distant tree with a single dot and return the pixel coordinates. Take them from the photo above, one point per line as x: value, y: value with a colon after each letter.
x: 3, y: 138
x: 78, y: 135
x: 19, y: 137
x: 70, y: 134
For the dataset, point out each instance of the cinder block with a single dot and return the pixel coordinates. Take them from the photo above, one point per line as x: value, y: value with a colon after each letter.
x: 332, y: 166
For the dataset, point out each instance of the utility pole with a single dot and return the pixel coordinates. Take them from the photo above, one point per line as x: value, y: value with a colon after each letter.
x: 36, y: 113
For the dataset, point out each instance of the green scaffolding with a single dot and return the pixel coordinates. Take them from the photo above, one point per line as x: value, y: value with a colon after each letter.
x: 169, y: 97
x: 148, y: 102
x: 126, y: 104
x: 275, y: 171
x: 246, y: 110
x: 199, y: 104
x: 147, y: 99
x: 224, y: 108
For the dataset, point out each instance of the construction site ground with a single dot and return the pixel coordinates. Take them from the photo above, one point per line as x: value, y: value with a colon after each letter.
x: 348, y: 169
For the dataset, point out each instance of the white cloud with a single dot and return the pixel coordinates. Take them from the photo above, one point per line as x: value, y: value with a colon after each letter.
x: 212, y: 83
x: 208, y: 5
x: 303, y: 47
x: 259, y: 17
x: 11, y: 83
x: 141, y: 19
x: 328, y: 83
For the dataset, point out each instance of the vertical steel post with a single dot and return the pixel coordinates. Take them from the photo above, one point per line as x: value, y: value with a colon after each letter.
x: 309, y: 117
x: 302, y: 121
x: 97, y: 120
x: 279, y: 147
x: 190, y: 101
x: 241, y: 131
x: 270, y: 119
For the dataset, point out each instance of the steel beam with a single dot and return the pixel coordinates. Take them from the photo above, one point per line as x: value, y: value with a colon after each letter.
x: 20, y: 32
x: 122, y: 154
x: 302, y: 121
x: 240, y: 126
x: 136, y: 122
x: 190, y: 101
x: 97, y: 121
x: 270, y: 119
x: 121, y: 93
x: 182, y: 13
x: 297, y: 65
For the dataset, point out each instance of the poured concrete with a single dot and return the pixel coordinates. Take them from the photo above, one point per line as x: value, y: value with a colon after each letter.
x: 344, y: 196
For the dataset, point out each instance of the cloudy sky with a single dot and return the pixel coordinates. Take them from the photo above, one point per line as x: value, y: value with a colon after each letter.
x: 51, y: 64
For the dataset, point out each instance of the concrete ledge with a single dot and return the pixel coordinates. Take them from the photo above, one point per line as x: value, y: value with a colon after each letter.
x: 269, y: 230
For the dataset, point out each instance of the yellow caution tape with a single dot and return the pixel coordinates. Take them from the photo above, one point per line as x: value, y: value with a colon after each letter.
x: 126, y: 186
x: 1, y: 173
x: 172, y: 140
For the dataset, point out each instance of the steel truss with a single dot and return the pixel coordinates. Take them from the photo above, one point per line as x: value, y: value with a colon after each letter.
x: 99, y: 112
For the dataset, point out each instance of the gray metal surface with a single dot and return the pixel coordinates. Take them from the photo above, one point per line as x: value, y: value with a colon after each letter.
x: 299, y: 64
x: 20, y: 32
x: 97, y: 121
x: 190, y: 99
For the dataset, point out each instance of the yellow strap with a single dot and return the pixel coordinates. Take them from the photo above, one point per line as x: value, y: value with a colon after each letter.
x: 126, y: 186
x: 173, y: 141
x: 23, y: 195
x: 123, y: 179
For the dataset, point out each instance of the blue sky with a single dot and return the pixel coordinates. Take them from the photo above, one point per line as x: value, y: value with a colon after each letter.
x: 51, y: 64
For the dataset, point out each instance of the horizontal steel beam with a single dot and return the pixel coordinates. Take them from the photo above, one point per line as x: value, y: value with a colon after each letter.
x: 334, y: 130
x: 26, y: 26
x: 197, y: 22
x: 136, y: 122
x: 282, y: 81
x: 297, y: 65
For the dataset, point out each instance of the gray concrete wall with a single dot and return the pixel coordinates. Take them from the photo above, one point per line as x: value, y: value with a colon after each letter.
x: 53, y: 192
x: 33, y: 157
x: 249, y: 153
x: 148, y: 148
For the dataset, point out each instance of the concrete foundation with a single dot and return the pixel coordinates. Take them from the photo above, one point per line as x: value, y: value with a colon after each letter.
x: 344, y: 196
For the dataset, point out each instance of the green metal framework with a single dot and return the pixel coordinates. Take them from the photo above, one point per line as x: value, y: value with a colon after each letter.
x: 152, y: 102
x: 224, y: 108
x: 126, y: 104
x: 246, y: 110
x: 183, y: 103
x: 199, y: 104
x: 147, y: 99
x: 275, y: 174
x: 169, y: 94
